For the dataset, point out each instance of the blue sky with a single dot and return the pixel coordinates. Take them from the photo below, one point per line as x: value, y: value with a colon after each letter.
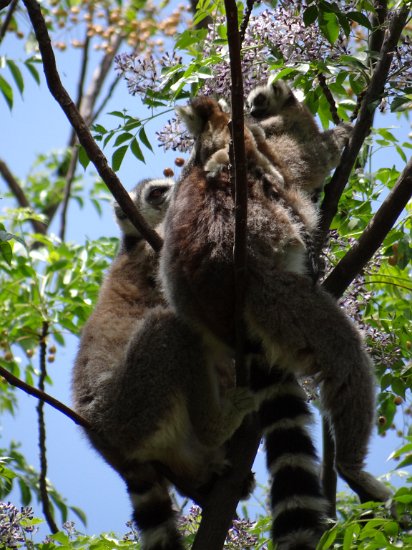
x: 36, y: 124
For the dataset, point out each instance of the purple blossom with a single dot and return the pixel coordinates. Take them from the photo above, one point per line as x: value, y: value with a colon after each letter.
x: 12, y: 533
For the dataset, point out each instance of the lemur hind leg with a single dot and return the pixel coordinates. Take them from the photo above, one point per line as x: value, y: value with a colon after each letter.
x: 307, y: 320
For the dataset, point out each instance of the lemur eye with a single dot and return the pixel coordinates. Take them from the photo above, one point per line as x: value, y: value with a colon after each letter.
x: 156, y: 194
x: 260, y: 99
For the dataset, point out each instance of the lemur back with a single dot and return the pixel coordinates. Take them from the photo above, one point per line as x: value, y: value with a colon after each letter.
x: 291, y: 128
x: 300, y: 327
x: 144, y: 382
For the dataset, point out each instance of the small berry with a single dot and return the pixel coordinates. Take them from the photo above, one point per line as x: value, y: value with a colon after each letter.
x: 50, y: 359
x: 398, y: 400
x: 29, y: 353
x: 168, y: 173
x: 382, y: 420
x: 52, y: 350
x: 179, y: 161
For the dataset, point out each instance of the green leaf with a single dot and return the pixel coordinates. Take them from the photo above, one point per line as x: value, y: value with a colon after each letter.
x: 144, y: 140
x: 360, y: 18
x: 33, y: 71
x: 6, y: 251
x: 119, y: 114
x: 122, y: 138
x: 7, y: 92
x: 118, y: 156
x: 329, y: 25
x: 405, y: 462
x: 310, y: 14
x: 79, y: 513
x: 18, y: 78
x: 136, y: 150
x: 83, y: 157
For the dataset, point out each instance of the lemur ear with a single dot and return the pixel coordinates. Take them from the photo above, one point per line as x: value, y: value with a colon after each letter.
x: 190, y: 119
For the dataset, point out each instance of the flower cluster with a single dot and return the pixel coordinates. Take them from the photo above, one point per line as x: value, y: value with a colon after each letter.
x: 144, y: 73
x: 238, y: 537
x: 12, y: 532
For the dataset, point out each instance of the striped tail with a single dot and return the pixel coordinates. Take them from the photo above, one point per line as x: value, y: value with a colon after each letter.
x: 299, y: 509
x: 153, y: 510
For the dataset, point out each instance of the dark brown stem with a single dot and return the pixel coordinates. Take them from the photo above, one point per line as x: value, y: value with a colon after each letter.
x: 83, y: 69
x: 83, y: 133
x: 220, y: 507
x: 246, y: 17
x: 240, y: 185
x: 329, y: 476
x: 216, y: 520
x: 334, y: 190
x: 21, y: 198
x: 378, y: 30
x: 372, y: 237
x: 44, y: 496
x: 43, y: 396
x: 105, y: 100
x: 328, y: 94
x: 12, y: 6
x: 71, y: 172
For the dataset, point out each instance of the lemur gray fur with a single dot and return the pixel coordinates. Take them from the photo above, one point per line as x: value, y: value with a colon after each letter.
x: 144, y: 382
x: 300, y: 327
x: 291, y: 128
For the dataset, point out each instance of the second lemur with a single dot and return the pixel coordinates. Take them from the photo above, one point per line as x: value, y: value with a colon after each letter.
x: 145, y: 383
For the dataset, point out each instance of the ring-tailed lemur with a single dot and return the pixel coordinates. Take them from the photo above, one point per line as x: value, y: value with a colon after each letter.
x: 292, y: 130
x: 300, y: 327
x: 144, y: 382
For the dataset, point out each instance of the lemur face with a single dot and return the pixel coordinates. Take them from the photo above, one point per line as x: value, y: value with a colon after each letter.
x: 151, y: 197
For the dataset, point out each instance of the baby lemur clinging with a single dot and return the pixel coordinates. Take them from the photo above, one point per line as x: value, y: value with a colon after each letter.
x: 300, y: 327
x: 147, y: 384
x: 292, y: 130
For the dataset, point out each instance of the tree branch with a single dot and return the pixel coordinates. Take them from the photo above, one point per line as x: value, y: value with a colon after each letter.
x: 15, y: 188
x: 43, y: 396
x: 9, y: 15
x: 246, y: 17
x: 44, y: 496
x: 109, y: 94
x: 85, y: 138
x: 334, y: 190
x: 329, y: 97
x: 216, y: 519
x: 71, y: 172
x: 373, y: 236
x: 240, y: 185
x: 329, y: 477
x: 227, y: 491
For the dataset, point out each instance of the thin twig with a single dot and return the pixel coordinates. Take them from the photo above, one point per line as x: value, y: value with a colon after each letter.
x: 329, y: 97
x: 43, y: 396
x: 85, y: 138
x: 329, y: 475
x: 16, y: 189
x: 83, y: 70
x: 246, y: 18
x: 105, y: 100
x: 44, y: 496
x: 7, y: 19
x: 334, y: 190
x: 71, y: 172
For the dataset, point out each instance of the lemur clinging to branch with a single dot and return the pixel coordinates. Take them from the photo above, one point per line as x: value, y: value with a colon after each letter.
x: 148, y: 386
x: 300, y: 327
